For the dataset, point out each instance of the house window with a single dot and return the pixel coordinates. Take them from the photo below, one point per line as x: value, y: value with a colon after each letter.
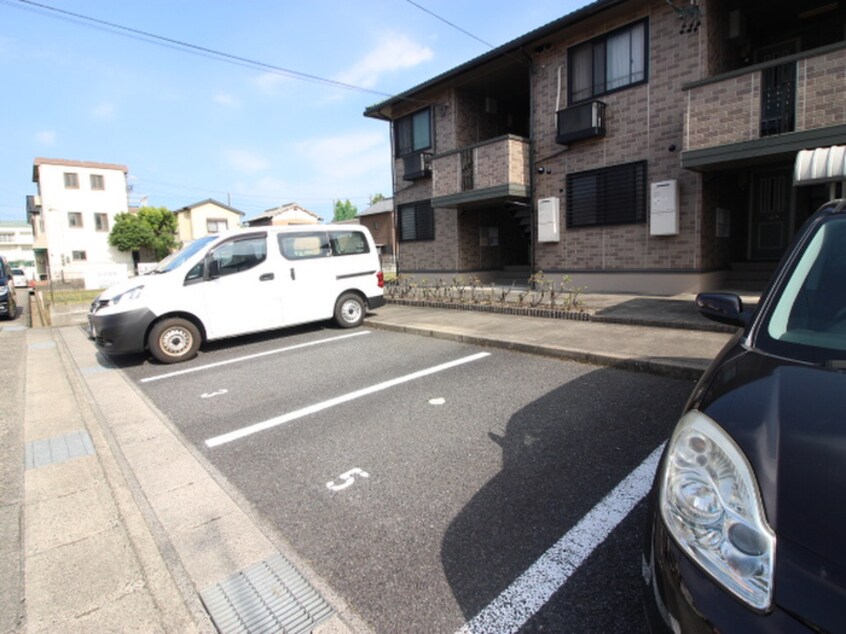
x: 101, y: 222
x: 609, y: 196
x: 78, y: 256
x: 416, y: 221
x: 413, y: 132
x: 7, y: 237
x: 75, y: 219
x: 71, y: 180
x: 216, y: 225
x: 97, y: 182
x: 608, y: 63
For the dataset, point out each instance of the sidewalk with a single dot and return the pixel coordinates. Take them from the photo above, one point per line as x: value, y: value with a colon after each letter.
x: 127, y: 528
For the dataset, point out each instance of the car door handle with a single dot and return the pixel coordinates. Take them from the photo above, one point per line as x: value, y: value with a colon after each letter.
x: 293, y: 275
x: 265, y: 277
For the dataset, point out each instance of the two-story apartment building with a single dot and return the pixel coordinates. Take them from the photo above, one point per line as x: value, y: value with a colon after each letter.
x: 636, y: 145
x: 71, y: 217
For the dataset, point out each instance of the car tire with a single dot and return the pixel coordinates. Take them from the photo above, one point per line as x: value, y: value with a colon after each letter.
x: 349, y: 310
x: 174, y: 340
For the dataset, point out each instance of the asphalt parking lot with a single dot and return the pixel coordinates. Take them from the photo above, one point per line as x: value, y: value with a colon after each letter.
x: 427, y: 480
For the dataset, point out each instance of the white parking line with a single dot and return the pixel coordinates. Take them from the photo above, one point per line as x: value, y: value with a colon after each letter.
x: 249, y: 357
x: 531, y: 590
x: 345, y: 398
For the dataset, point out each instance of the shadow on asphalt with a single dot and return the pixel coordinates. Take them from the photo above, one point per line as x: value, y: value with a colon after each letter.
x: 561, y: 455
x: 662, y: 312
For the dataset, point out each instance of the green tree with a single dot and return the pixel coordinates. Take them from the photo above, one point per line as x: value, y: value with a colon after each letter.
x: 151, y: 227
x: 344, y: 210
x: 376, y: 198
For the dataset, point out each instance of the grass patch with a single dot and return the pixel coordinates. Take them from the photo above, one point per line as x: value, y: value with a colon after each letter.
x: 64, y: 297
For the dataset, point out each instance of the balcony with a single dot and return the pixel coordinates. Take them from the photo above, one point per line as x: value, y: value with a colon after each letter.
x: 490, y: 171
x: 776, y: 107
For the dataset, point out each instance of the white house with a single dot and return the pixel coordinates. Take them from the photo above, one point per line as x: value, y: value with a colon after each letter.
x: 289, y: 214
x: 16, y: 241
x: 71, y: 217
x: 204, y: 218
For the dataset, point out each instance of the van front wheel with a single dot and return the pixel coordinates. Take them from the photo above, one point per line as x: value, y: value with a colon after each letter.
x: 349, y: 310
x: 174, y: 340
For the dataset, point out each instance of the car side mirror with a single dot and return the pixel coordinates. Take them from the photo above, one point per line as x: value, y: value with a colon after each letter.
x: 725, y: 308
x: 213, y: 268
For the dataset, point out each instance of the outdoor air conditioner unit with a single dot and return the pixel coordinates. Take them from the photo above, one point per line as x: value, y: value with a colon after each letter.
x: 582, y: 121
x: 417, y: 165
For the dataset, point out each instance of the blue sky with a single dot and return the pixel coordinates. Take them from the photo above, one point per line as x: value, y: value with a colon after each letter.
x: 190, y: 127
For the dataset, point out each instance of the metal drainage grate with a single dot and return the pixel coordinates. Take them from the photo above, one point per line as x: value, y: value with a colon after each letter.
x: 270, y: 596
x: 40, y: 453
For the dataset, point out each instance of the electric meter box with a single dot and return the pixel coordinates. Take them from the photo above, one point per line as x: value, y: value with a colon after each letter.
x: 549, y: 214
x: 664, y: 208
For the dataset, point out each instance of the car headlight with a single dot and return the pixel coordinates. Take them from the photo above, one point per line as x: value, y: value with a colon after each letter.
x: 710, y: 502
x: 128, y: 296
x: 4, y: 290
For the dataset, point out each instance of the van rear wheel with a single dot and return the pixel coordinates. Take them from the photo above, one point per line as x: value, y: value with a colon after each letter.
x: 349, y: 310
x: 174, y: 340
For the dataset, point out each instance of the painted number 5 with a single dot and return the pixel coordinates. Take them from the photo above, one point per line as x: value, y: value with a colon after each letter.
x: 347, y: 479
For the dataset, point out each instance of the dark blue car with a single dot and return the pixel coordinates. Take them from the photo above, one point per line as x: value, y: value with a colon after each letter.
x: 747, y: 521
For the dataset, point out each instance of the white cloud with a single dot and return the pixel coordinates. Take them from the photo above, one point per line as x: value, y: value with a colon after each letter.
x: 103, y: 110
x: 394, y: 52
x: 345, y: 156
x: 269, y: 82
x: 246, y: 161
x: 46, y: 137
x: 226, y: 100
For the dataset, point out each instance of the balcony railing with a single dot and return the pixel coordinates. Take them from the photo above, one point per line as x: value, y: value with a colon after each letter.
x: 792, y: 94
x: 494, y: 169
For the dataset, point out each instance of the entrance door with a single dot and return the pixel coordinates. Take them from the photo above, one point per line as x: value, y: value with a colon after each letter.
x: 770, y: 215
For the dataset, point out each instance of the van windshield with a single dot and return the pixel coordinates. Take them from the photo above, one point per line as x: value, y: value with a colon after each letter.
x: 175, y: 260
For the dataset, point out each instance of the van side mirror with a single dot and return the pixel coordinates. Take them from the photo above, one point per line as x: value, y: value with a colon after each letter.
x: 725, y: 308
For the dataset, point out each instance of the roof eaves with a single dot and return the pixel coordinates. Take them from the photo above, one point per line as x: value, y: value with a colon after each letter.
x: 375, y: 111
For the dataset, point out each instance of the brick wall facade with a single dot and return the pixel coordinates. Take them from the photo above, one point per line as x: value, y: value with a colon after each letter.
x: 642, y: 123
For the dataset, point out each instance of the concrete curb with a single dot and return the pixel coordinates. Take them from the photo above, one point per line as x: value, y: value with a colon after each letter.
x: 669, y: 369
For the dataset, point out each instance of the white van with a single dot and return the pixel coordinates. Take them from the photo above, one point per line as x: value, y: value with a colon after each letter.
x: 240, y: 282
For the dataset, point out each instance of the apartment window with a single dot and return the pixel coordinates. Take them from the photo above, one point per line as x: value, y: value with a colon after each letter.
x: 216, y: 225
x: 71, y: 180
x: 97, y: 182
x: 78, y: 256
x: 608, y: 63
x: 101, y: 222
x: 75, y: 219
x: 416, y: 221
x: 7, y: 237
x: 413, y: 132
x: 609, y: 196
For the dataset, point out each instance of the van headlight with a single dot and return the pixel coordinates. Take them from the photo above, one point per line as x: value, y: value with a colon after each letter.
x: 711, y: 505
x: 127, y: 296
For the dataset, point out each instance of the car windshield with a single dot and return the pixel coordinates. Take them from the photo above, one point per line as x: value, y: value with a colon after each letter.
x: 175, y: 260
x: 808, y: 318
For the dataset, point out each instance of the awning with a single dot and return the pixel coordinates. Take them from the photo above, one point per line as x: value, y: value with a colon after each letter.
x: 820, y: 165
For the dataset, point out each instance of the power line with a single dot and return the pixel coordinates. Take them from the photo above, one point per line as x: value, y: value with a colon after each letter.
x: 192, y: 48
x: 445, y: 21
